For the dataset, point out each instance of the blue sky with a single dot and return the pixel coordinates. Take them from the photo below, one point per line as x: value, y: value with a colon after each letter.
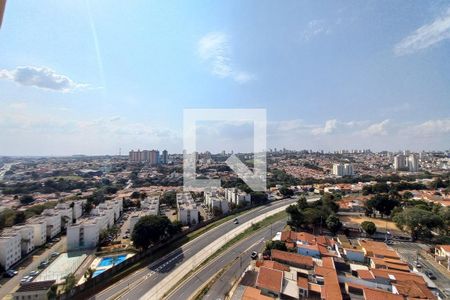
x: 94, y: 76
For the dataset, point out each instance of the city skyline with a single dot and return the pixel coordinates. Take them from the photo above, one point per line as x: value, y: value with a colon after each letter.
x: 324, y: 84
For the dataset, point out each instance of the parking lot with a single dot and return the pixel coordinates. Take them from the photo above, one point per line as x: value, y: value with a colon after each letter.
x: 30, y: 265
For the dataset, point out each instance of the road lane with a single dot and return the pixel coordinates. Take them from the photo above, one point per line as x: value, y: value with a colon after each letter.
x: 238, y: 255
x: 137, y: 284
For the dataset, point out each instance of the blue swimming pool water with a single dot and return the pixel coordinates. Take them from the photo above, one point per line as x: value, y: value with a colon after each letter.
x: 98, y: 272
x: 108, y: 261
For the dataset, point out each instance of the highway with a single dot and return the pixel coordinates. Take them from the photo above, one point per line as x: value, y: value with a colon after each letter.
x: 234, y: 260
x: 140, y: 282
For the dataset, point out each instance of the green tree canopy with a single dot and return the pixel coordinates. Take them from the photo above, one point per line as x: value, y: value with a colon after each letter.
x: 369, y: 227
x: 333, y: 223
x: 419, y: 222
x: 151, y: 230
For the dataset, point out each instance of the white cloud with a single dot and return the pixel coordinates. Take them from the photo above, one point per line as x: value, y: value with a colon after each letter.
x: 377, y: 129
x: 330, y: 127
x: 315, y: 28
x: 433, y: 127
x: 41, y: 77
x: 425, y: 36
x: 214, y: 48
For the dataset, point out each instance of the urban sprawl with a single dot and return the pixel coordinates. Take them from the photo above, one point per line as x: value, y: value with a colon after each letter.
x: 349, y: 224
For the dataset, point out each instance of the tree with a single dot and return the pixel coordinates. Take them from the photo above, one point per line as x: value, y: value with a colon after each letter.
x: 382, y: 203
x: 150, y: 230
x: 69, y: 283
x: 419, y: 222
x: 169, y: 198
x: 369, y: 227
x: 296, y: 218
x: 52, y: 293
x: 88, y: 274
x: 333, y: 223
x: 286, y: 192
x: 278, y: 245
x: 26, y: 199
x: 407, y: 195
x: 302, y: 203
x: 19, y: 218
x: 135, y: 195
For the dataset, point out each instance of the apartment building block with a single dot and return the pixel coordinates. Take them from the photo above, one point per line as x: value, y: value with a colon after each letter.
x: 187, y: 209
x: 84, y: 234
x: 27, y: 238
x: 10, y: 248
x: 39, y: 225
x: 53, y: 219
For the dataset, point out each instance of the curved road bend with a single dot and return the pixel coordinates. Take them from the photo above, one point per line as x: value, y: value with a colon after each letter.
x: 138, y: 283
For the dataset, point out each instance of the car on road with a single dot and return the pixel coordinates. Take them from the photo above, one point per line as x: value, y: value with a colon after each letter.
x: 254, y: 255
x: 430, y: 275
x: 236, y: 221
x: 34, y: 273
x: 417, y: 264
x: 54, y: 254
x: 390, y: 242
x: 10, y: 273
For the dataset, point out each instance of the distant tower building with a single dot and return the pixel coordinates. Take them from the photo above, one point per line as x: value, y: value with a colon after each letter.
x: 338, y: 170
x: 348, y: 170
x: 164, y: 157
x: 413, y: 163
x: 343, y: 170
x: 399, y: 162
x: 151, y: 156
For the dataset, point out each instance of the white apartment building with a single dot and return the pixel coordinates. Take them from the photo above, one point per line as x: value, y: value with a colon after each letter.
x: 399, y: 162
x: 84, y: 234
x: 66, y: 213
x: 150, y: 205
x: 77, y: 209
x: 413, y: 163
x: 213, y: 199
x: 134, y: 218
x: 39, y: 225
x: 105, y: 209
x: 26, y: 238
x: 53, y: 219
x: 343, y: 170
x: 10, y: 249
x: 187, y: 209
x: 234, y: 195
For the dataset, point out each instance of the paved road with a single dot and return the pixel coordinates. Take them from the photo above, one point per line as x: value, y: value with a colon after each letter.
x: 13, y: 283
x: 409, y: 250
x: 137, y: 284
x: 239, y: 257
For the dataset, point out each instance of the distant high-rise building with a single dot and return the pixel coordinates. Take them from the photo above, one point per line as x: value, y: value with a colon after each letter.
x: 150, y: 156
x: 164, y: 157
x: 413, y: 163
x: 343, y: 170
x: 348, y: 170
x: 399, y: 162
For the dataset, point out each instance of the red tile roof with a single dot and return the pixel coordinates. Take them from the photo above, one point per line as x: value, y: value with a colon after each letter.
x: 292, y: 258
x: 373, y: 294
x: 270, y: 279
x: 272, y: 265
x: 250, y: 293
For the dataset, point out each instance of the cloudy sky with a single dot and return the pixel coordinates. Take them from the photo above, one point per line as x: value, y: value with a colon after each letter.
x: 95, y: 76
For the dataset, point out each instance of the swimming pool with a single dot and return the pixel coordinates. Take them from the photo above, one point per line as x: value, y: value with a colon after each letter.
x: 98, y: 272
x: 111, y: 260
